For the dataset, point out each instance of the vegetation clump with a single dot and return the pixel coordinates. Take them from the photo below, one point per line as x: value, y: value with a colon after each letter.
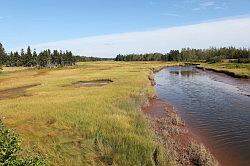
x: 10, y: 150
x: 172, y: 132
x: 200, y: 156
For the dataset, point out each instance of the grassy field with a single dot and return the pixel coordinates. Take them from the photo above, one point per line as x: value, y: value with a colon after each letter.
x: 89, y: 125
x: 241, y: 70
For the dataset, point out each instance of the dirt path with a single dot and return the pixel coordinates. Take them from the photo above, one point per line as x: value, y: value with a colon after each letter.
x: 173, y: 133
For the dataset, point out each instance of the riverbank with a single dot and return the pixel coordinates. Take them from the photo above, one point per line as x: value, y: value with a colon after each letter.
x: 172, y: 132
x: 237, y: 70
x: 215, y: 107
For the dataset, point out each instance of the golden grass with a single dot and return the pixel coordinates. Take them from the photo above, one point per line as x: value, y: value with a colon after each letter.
x: 97, y: 125
x: 234, y: 69
x: 13, y: 68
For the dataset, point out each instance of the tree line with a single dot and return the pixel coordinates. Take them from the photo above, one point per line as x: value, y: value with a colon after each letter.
x: 90, y: 59
x: 55, y: 58
x: 46, y: 58
x: 209, y: 55
x: 29, y: 58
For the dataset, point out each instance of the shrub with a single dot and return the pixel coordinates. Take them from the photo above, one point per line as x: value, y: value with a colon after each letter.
x: 199, y: 155
x: 244, y: 60
x: 10, y: 150
x: 215, y: 59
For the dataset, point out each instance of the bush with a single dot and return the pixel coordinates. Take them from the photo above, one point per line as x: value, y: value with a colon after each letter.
x: 215, y: 59
x: 200, y: 156
x: 10, y: 150
x: 244, y: 60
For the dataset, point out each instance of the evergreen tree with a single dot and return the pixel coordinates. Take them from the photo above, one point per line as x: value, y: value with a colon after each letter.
x: 2, y: 56
x: 34, y: 58
x: 28, y: 58
x: 22, y: 57
x: 10, y: 60
x: 210, y: 55
x: 45, y: 58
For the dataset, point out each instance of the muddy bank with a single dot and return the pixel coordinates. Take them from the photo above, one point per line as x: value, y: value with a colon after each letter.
x: 242, y: 85
x: 232, y: 74
x: 15, y: 92
x: 177, y: 138
x: 92, y: 83
x: 215, y: 106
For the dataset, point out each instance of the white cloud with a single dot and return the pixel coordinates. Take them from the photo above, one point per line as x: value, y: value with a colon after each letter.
x: 170, y: 14
x: 219, y: 7
x: 207, y: 4
x: 231, y: 32
x: 210, y: 5
x: 204, y: 5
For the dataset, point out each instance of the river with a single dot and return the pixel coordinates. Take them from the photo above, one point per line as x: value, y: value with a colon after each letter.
x: 215, y: 106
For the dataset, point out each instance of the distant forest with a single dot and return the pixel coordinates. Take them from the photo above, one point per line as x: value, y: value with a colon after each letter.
x: 212, y: 54
x: 46, y: 58
x: 55, y: 58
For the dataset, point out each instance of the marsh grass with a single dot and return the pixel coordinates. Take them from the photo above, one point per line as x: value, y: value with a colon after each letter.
x: 200, y: 156
x: 99, y: 125
x: 241, y: 70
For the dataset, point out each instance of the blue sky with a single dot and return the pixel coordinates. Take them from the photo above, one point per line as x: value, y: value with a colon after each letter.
x: 29, y: 22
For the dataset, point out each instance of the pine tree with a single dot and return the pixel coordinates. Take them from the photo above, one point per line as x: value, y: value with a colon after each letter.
x: 2, y: 56
x: 34, y: 58
x: 29, y: 58
x: 22, y: 58
x: 17, y: 59
x: 11, y: 60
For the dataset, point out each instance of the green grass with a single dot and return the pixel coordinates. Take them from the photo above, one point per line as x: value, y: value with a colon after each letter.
x: 97, y: 125
x: 240, y: 70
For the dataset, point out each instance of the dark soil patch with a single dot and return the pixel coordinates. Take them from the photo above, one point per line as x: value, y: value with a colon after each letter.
x: 176, y: 137
x: 107, y: 68
x: 15, y: 92
x: 151, y: 79
x: 92, y: 83
x: 134, y: 71
x: 40, y: 73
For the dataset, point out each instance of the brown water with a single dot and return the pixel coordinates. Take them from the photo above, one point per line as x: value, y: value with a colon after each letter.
x: 216, y: 106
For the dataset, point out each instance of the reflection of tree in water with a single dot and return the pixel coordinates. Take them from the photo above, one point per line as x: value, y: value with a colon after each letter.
x: 184, y: 72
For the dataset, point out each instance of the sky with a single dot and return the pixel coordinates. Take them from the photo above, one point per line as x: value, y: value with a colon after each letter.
x: 107, y: 28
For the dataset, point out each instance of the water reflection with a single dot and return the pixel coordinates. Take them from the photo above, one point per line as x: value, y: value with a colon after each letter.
x: 187, y: 73
x: 215, y: 106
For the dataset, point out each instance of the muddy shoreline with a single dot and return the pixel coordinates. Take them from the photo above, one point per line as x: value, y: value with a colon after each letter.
x: 177, y: 138
x: 171, y: 131
x: 16, y: 92
x: 232, y: 74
